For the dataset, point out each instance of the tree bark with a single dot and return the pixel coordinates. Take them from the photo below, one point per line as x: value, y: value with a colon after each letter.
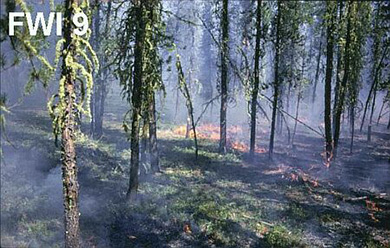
x: 68, y: 152
x: 224, y: 76
x: 276, y: 81
x: 255, y: 91
x: 136, y: 99
x: 328, y: 81
x: 343, y: 86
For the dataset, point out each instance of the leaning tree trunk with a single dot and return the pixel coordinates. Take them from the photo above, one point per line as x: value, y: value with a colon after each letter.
x: 255, y: 91
x: 224, y: 76
x: 136, y: 100
x: 276, y: 81
x: 296, y: 118
x: 328, y: 82
x: 186, y: 93
x: 373, y: 88
x: 388, y: 124
x: 68, y: 152
x: 380, y: 112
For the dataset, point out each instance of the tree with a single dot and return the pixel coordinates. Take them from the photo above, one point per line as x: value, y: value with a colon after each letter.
x: 73, y: 99
x: 380, y: 49
x: 136, y: 97
x: 330, y: 24
x: 186, y: 93
x: 357, y: 18
x: 224, y: 75
x: 276, y: 76
x: 255, y: 91
x: 343, y: 85
x: 361, y: 13
x: 100, y: 88
x: 141, y: 33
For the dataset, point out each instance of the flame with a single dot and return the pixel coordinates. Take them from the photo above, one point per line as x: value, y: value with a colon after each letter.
x: 212, y: 132
x: 187, y: 229
x: 372, y: 206
x: 372, y: 210
x: 239, y: 146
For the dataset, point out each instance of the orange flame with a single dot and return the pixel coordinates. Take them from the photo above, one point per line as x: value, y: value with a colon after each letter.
x: 211, y: 132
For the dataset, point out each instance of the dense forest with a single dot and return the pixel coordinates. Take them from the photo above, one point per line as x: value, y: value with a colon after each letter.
x: 194, y: 123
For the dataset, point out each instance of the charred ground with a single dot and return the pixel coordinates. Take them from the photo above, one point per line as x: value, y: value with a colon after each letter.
x: 215, y: 201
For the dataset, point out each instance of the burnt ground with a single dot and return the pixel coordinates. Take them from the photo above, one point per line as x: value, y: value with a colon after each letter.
x: 215, y: 201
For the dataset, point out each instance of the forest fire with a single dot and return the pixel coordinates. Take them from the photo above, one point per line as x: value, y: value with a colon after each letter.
x: 373, y: 208
x: 211, y: 132
x: 195, y: 123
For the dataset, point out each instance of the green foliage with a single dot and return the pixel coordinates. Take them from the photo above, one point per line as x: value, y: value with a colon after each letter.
x: 280, y: 237
x: 79, y: 59
x: 155, y: 39
x: 359, y: 17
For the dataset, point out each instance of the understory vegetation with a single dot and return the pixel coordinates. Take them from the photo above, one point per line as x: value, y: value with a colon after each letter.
x: 195, y: 123
x: 217, y: 200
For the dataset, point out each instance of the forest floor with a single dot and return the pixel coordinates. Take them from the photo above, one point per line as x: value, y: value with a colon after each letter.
x: 215, y: 201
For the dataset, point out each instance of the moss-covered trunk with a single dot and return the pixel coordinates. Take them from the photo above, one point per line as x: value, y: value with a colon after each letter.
x: 68, y: 152
x: 136, y: 100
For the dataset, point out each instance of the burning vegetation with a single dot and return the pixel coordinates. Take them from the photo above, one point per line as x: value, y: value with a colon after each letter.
x: 235, y: 136
x: 285, y: 105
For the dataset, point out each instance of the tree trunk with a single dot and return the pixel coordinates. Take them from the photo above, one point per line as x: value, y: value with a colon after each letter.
x: 380, y: 112
x: 352, y: 116
x: 296, y: 118
x: 317, y: 75
x: 144, y: 169
x: 99, y: 91
x: 299, y: 97
x: 338, y: 69
x: 186, y: 93
x: 367, y: 104
x: 388, y: 124
x: 373, y: 104
x: 68, y: 152
x: 276, y: 81
x: 207, y: 75
x: 374, y: 86
x: 153, y: 149
x: 328, y: 81
x: 136, y: 99
x: 343, y: 86
x: 224, y: 76
x: 255, y: 91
